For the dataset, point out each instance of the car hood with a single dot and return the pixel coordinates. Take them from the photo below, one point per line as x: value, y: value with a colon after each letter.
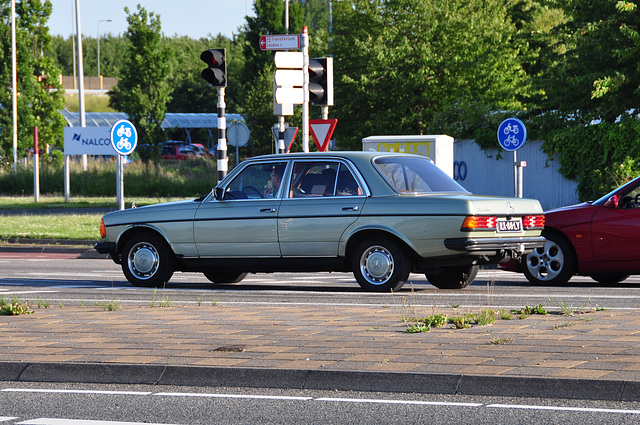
x: 177, y: 210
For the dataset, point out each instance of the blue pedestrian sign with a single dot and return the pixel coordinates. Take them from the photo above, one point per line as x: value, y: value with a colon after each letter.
x: 124, y: 137
x: 512, y: 134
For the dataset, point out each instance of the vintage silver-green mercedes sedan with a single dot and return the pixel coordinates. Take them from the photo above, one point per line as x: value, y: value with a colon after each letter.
x: 379, y: 215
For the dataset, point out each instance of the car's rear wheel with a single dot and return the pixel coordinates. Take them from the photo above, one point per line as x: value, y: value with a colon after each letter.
x: 609, y: 278
x: 553, y: 264
x: 219, y: 277
x: 147, y: 260
x: 453, y: 277
x: 380, y: 264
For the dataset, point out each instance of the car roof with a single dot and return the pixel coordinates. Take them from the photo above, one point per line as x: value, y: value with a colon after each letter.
x: 354, y: 155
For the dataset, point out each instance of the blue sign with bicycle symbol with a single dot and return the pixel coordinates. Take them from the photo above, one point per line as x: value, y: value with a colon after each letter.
x: 124, y: 137
x: 512, y: 134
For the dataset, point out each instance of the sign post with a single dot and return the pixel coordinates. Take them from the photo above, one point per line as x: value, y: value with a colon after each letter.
x: 124, y: 139
x: 512, y: 134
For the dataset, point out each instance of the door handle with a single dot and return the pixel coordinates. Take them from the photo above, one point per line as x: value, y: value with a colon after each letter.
x: 354, y: 208
x: 268, y: 210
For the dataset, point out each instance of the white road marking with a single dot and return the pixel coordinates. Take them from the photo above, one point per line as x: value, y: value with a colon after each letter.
x: 257, y: 397
x: 563, y: 408
x: 52, y: 421
x: 413, y: 402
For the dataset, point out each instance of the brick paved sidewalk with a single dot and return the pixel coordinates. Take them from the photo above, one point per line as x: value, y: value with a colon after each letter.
x: 598, y: 348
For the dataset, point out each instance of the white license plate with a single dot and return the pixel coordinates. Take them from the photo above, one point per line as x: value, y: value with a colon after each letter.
x: 508, y: 226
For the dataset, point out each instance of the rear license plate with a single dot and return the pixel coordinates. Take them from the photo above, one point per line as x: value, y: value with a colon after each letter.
x: 509, y: 226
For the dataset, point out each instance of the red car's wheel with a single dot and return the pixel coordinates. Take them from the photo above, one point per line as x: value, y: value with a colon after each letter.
x: 554, y: 264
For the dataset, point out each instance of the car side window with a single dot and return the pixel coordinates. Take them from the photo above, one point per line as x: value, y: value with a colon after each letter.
x: 322, y: 178
x: 631, y: 199
x: 257, y: 181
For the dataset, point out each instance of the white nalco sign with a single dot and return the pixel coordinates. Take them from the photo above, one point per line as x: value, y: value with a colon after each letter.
x: 88, y: 140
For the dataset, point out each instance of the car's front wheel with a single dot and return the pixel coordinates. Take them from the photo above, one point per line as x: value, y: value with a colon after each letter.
x: 219, y: 277
x: 381, y: 265
x: 147, y: 260
x: 453, y: 277
x: 553, y: 264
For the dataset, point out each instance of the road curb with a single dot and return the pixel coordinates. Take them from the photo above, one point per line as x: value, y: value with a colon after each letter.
x: 452, y: 384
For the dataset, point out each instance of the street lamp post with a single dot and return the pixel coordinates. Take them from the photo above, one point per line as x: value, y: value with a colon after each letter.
x: 101, y: 20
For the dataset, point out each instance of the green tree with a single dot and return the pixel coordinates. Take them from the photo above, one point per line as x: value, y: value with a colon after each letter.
x: 425, y: 66
x: 40, y: 94
x: 593, y: 94
x: 257, y: 74
x: 144, y: 83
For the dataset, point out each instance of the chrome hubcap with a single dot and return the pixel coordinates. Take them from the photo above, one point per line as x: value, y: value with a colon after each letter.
x: 376, y: 265
x: 143, y: 260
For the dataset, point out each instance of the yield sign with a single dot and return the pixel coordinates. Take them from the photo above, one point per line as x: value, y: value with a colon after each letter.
x: 289, y: 135
x: 322, y: 130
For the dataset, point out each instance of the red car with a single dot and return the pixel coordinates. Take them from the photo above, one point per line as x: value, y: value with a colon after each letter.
x: 600, y: 239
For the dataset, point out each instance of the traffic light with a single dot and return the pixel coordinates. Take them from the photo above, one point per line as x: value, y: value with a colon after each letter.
x: 216, y: 73
x: 321, y: 81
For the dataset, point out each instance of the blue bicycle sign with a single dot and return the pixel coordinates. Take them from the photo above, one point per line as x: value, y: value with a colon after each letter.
x: 124, y: 137
x: 512, y: 134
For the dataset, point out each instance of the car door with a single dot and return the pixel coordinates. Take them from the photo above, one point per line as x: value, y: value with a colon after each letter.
x: 615, y: 232
x: 323, y: 199
x: 244, y: 223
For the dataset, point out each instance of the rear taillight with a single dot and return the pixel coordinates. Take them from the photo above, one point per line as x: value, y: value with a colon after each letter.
x: 474, y: 222
x: 103, y: 230
x: 533, y: 221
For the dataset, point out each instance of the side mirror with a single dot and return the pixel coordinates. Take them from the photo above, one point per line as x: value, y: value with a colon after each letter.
x: 612, y: 202
x: 219, y: 193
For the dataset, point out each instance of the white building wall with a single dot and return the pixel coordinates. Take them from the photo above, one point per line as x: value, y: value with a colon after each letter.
x: 487, y: 175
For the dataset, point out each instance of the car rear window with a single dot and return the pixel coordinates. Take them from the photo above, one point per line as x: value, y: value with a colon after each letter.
x: 415, y: 175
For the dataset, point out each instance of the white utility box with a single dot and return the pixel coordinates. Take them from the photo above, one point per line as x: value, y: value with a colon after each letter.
x: 437, y: 147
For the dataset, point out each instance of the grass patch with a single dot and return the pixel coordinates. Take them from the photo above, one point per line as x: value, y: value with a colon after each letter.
x: 59, y: 226
x: 182, y: 179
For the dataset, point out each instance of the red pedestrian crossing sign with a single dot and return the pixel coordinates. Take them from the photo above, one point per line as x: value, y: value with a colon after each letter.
x: 322, y: 130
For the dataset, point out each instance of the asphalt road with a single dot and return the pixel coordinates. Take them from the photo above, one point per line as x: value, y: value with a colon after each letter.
x: 70, y: 281
x: 74, y: 404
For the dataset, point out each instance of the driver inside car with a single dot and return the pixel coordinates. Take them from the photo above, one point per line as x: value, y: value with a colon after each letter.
x: 276, y: 180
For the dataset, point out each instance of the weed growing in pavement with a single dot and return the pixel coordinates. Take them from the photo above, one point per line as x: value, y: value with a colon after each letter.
x: 418, y: 328
x: 162, y: 302
x: 564, y: 325
x: 60, y: 304
x: 14, y: 307
x: 500, y: 341
x: 460, y: 322
x: 214, y: 302
x: 505, y: 314
x: 42, y: 303
x: 485, y: 317
x: 109, y: 305
x: 436, y: 320
x: 528, y: 311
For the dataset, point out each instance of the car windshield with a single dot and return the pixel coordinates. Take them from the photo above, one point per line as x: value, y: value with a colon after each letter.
x: 415, y: 175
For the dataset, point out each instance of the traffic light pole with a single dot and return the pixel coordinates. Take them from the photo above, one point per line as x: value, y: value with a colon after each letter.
x: 305, y: 89
x: 222, y: 137
x: 281, y: 128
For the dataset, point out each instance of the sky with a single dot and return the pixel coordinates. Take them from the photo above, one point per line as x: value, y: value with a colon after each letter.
x: 193, y: 18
